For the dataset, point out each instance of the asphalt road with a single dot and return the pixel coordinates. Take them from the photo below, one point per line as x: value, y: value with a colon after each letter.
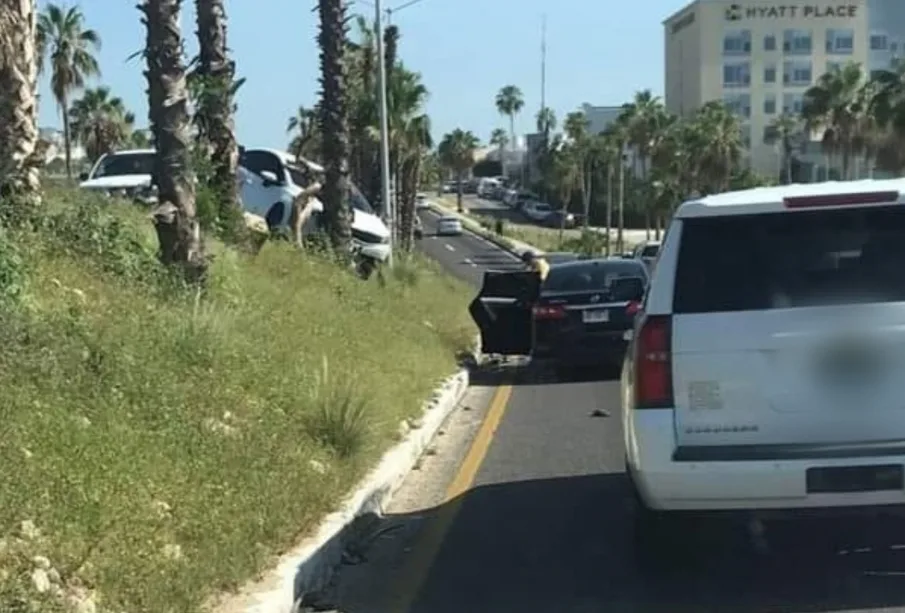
x: 542, y: 525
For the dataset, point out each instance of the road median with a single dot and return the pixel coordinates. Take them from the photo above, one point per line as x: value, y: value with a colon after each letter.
x: 163, y: 446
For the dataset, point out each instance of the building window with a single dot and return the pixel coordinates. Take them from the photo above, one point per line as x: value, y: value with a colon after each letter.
x: 796, y: 42
x: 737, y: 74
x: 840, y: 42
x: 740, y: 104
x: 792, y: 103
x: 746, y: 137
x: 878, y: 42
x: 769, y: 42
x: 833, y: 66
x: 797, y: 73
x: 770, y: 104
x: 770, y: 74
x: 769, y: 135
x: 737, y: 42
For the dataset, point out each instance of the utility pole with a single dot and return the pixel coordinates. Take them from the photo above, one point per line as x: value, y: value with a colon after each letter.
x: 619, y: 244
x: 389, y: 206
x: 543, y: 62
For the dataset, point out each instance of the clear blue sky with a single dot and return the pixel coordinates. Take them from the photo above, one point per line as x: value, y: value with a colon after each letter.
x: 598, y: 51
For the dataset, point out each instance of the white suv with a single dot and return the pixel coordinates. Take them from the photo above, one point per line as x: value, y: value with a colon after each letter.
x: 767, y: 371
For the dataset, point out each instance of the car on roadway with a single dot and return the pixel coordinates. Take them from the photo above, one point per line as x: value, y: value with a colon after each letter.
x: 647, y: 252
x: 583, y: 311
x: 449, y: 225
x: 578, y: 317
x: 421, y: 202
x: 764, y: 375
x: 537, y: 211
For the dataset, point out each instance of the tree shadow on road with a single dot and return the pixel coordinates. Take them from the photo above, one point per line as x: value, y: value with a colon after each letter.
x: 564, y: 545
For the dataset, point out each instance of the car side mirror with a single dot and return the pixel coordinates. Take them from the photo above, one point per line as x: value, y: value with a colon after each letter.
x: 83, y: 176
x: 270, y: 178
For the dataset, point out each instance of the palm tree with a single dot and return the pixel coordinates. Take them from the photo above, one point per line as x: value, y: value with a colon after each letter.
x: 545, y: 121
x: 837, y: 106
x: 584, y: 151
x: 303, y: 125
x: 785, y: 133
x: 175, y: 219
x: 100, y: 122
x: 500, y: 140
x: 216, y: 106
x: 333, y: 126
x: 415, y: 147
x: 19, y: 166
x: 509, y: 102
x: 68, y: 45
x: 457, y: 151
x: 139, y: 139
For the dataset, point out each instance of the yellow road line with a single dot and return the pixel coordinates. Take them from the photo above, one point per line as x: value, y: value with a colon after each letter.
x: 419, y: 562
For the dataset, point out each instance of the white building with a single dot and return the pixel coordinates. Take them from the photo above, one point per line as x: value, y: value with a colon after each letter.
x: 760, y: 57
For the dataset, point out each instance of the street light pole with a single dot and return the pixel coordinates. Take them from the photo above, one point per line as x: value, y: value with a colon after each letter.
x: 389, y: 207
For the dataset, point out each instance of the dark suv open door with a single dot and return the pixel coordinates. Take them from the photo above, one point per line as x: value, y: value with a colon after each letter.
x: 502, y: 311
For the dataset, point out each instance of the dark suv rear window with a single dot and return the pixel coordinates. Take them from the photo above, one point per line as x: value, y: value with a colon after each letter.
x: 786, y: 260
x: 592, y: 275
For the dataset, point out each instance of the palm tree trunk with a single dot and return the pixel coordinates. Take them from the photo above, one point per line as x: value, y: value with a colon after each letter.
x: 175, y: 220
x: 67, y: 135
x: 19, y: 166
x: 334, y: 129
x: 459, y: 178
x: 217, y: 108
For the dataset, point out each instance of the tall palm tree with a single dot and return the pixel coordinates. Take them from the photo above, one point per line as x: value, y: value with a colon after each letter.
x: 837, y: 106
x: 785, y: 132
x: 509, y: 102
x: 215, y: 107
x: 100, y: 122
x: 168, y: 102
x: 500, y: 140
x: 69, y: 47
x: 584, y: 152
x: 545, y: 121
x: 303, y: 125
x: 457, y: 150
x: 19, y: 172
x: 333, y: 123
x: 416, y: 145
x: 646, y: 120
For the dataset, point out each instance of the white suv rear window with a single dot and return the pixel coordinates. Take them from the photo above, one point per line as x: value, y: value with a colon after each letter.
x: 791, y: 259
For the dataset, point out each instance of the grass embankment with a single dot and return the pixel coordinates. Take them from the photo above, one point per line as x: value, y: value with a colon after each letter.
x: 159, y: 446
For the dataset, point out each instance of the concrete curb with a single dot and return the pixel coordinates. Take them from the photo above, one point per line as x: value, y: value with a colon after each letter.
x: 476, y: 228
x: 309, y: 568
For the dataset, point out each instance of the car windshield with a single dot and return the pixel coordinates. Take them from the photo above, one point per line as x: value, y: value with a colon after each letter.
x: 606, y: 276
x: 786, y: 260
x: 650, y: 251
x: 118, y: 164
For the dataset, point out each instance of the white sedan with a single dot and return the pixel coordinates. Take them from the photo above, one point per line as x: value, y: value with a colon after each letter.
x: 421, y: 202
x: 449, y: 226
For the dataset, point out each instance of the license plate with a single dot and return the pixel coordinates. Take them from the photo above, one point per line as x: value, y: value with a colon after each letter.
x: 597, y: 316
x: 846, y: 479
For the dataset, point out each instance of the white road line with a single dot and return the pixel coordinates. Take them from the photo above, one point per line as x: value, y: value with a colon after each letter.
x: 449, y: 247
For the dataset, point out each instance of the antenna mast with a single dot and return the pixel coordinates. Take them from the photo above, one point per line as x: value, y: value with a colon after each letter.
x: 543, y: 62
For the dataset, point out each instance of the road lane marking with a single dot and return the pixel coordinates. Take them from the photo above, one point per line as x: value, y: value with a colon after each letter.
x: 417, y: 567
x: 449, y: 247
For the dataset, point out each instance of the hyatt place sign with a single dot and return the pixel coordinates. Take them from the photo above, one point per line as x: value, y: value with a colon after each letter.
x: 737, y: 12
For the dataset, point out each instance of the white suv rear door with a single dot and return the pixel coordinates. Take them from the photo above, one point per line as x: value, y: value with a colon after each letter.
x: 788, y: 328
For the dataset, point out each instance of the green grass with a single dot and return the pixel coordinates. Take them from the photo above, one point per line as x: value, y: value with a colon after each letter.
x: 167, y: 445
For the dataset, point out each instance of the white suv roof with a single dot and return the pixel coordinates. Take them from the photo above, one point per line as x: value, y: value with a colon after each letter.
x: 772, y: 199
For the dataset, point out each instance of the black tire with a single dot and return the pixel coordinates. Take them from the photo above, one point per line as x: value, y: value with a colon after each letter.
x: 274, y: 217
